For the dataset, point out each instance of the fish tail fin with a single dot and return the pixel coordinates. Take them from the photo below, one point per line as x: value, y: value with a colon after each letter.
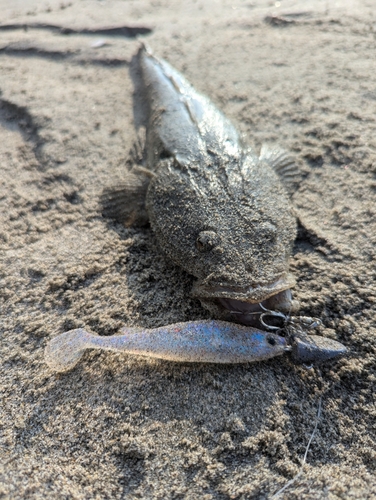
x: 64, y: 351
x: 143, y: 47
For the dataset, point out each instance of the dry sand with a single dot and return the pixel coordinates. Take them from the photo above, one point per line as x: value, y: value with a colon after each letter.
x: 119, y: 426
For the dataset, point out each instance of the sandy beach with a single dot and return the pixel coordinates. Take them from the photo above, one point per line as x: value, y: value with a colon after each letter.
x: 301, y: 74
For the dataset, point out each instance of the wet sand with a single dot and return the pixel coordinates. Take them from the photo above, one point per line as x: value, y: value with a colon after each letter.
x: 118, y: 426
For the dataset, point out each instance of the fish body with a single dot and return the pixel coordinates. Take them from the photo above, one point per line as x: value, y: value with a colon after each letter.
x: 194, y: 341
x: 218, y: 210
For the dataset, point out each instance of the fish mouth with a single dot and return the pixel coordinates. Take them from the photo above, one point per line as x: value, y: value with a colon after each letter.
x: 252, y: 293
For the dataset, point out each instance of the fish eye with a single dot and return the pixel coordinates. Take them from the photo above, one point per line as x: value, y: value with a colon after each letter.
x: 271, y: 340
x: 206, y: 240
x: 267, y: 231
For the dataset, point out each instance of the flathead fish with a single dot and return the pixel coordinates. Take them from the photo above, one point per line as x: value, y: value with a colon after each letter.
x: 218, y: 209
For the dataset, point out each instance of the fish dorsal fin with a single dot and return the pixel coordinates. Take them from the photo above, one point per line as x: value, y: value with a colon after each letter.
x: 283, y: 163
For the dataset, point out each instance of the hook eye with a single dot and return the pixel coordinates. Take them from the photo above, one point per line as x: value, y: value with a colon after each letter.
x: 273, y: 314
x: 265, y: 325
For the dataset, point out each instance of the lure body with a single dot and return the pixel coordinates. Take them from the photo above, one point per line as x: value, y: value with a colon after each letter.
x: 193, y: 341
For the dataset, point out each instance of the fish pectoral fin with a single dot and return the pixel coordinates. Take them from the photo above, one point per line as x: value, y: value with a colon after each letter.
x: 137, y: 153
x: 283, y: 163
x: 126, y: 202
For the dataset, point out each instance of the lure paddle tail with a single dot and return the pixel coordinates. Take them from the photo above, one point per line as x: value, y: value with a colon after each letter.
x: 65, y: 351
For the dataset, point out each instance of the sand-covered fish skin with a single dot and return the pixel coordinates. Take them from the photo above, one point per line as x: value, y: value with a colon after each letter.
x: 218, y: 209
x: 193, y: 341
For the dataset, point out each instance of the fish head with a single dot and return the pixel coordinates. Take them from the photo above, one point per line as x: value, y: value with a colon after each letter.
x: 235, y: 235
x: 251, y: 270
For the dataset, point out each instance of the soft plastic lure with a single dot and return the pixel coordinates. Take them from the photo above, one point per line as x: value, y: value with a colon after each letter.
x: 193, y: 341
